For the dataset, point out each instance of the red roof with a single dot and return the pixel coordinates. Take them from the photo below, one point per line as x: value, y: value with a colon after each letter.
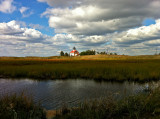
x: 73, y: 51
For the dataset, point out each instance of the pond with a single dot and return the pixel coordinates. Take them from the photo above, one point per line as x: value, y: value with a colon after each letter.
x: 54, y: 93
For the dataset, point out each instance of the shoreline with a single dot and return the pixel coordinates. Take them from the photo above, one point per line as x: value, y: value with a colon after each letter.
x: 96, y: 80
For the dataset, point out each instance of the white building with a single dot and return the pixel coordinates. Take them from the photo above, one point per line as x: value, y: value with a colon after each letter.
x: 74, y: 52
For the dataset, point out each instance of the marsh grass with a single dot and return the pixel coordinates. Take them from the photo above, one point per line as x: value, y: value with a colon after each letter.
x: 141, y: 106
x: 141, y: 70
x: 20, y: 107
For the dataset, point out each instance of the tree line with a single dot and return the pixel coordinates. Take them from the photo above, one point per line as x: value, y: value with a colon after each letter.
x: 106, y: 53
x: 88, y: 52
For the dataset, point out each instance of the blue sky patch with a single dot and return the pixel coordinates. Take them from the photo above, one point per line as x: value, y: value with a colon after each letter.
x: 149, y: 21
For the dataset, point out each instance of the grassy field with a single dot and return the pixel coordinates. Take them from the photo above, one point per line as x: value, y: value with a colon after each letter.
x: 99, y: 67
x: 141, y: 106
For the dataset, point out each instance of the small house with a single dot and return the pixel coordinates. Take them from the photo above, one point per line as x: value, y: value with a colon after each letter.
x: 74, y: 52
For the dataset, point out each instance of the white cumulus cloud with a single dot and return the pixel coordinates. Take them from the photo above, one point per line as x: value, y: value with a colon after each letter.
x: 138, y: 35
x: 15, y: 39
x: 107, y: 16
x: 6, y: 6
x: 88, y: 20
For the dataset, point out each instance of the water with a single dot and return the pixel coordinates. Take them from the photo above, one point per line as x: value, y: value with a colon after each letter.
x: 54, y: 93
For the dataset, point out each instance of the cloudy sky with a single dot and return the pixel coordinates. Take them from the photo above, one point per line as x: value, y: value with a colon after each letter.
x: 45, y: 27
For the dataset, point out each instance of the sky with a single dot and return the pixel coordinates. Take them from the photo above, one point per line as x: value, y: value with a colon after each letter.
x: 46, y: 27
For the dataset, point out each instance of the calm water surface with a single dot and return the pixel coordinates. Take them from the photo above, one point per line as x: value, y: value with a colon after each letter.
x: 54, y: 93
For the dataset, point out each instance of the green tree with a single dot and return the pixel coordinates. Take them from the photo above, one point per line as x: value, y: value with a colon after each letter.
x: 88, y: 52
x: 61, y: 53
x: 103, y: 53
x: 66, y: 54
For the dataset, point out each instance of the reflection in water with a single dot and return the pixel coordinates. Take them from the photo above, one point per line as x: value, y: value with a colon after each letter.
x: 52, y: 94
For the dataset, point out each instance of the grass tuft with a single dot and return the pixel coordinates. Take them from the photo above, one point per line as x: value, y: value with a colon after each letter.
x: 20, y: 107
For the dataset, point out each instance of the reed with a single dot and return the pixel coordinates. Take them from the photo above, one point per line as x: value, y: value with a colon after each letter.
x: 20, y: 107
x: 141, y: 70
x: 141, y: 106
